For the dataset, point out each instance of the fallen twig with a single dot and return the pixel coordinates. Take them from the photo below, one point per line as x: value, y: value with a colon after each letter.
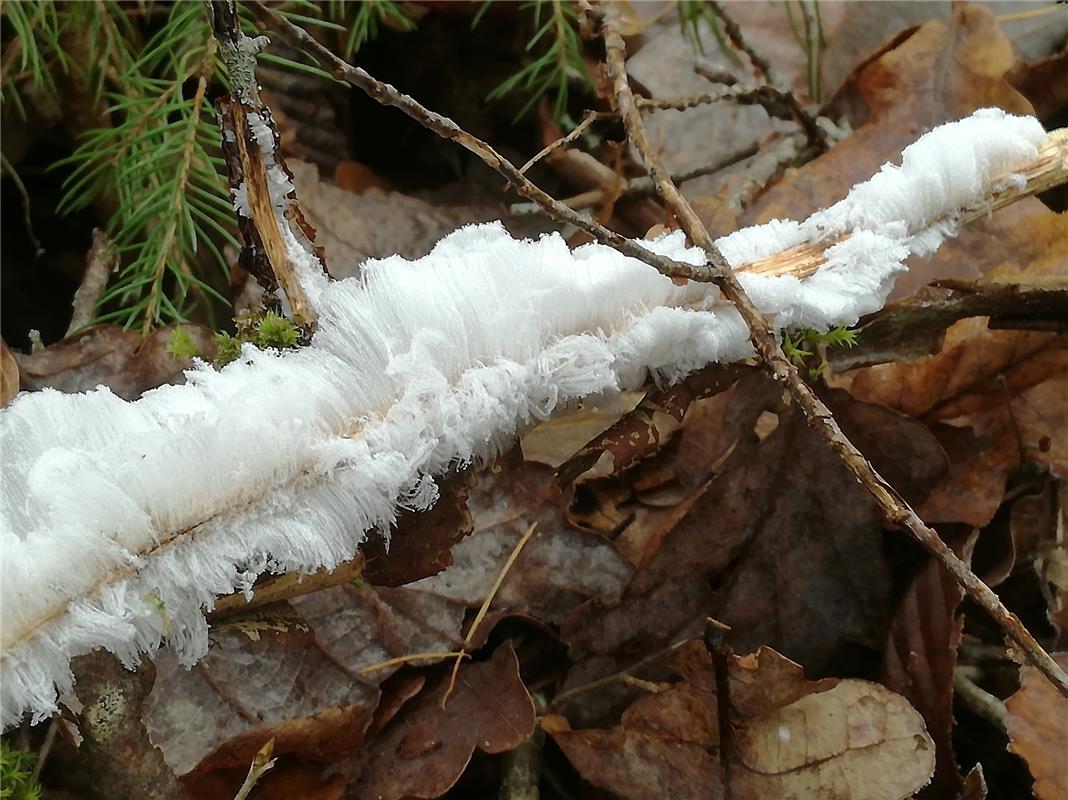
x: 261, y: 763
x: 100, y: 263
x: 643, y: 184
x: 589, y: 119
x: 815, y: 133
x: 895, y: 511
x: 481, y: 615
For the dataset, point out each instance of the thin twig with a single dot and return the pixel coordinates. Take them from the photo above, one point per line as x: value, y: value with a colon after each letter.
x: 623, y: 676
x: 481, y: 615
x: 893, y: 508
x: 444, y: 127
x: 895, y: 511
x: 734, y: 33
x: 100, y: 263
x: 816, y: 135
x: 716, y: 641
x: 46, y: 748
x: 643, y: 184
x: 261, y: 763
x: 410, y: 658
x: 810, y: 12
x: 587, y: 120
x: 980, y: 701
x: 779, y: 103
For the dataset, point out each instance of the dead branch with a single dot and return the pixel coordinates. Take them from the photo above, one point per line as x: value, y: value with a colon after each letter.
x: 121, y: 760
x: 895, y: 511
x: 265, y: 253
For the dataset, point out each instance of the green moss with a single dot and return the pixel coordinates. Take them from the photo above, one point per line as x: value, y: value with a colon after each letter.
x: 16, y: 767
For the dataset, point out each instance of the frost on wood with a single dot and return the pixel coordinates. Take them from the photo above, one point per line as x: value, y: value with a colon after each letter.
x: 122, y: 520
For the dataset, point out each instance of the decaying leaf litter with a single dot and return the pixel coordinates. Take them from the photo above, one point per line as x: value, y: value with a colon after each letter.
x: 593, y: 638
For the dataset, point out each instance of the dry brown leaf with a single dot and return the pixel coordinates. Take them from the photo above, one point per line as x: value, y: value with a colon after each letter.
x: 945, y: 70
x: 783, y: 545
x: 110, y: 356
x: 1038, y: 730
x: 790, y: 738
x: 294, y: 676
x: 556, y: 571
x: 920, y: 655
x: 856, y: 740
x: 975, y: 371
x: 426, y: 748
x: 421, y: 544
x: 376, y: 224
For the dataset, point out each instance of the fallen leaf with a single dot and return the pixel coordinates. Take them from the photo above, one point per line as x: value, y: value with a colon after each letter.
x: 790, y: 738
x: 918, y: 663
x: 352, y: 228
x: 1040, y: 82
x: 421, y: 544
x: 293, y: 676
x: 426, y: 748
x: 655, y: 419
x: 976, y: 370
x: 783, y: 545
x: 110, y: 356
x: 557, y: 570
x: 946, y: 70
x: 1037, y: 720
x: 856, y: 740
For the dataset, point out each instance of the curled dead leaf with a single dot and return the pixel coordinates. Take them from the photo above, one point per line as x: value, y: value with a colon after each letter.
x: 1038, y: 731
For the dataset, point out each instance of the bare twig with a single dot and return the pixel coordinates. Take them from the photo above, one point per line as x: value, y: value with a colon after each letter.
x: 623, y: 676
x: 734, y: 33
x: 265, y: 253
x: 481, y: 615
x: 444, y: 127
x: 46, y: 748
x: 980, y: 701
x: 261, y: 763
x: 100, y: 262
x: 810, y: 12
x: 640, y: 185
x: 779, y: 103
x: 287, y: 586
x: 895, y: 511
x: 716, y: 641
x: 815, y: 133
x: 893, y: 508
x: 409, y: 659
x: 587, y: 120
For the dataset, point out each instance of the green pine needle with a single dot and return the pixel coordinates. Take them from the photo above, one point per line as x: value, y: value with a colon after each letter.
x: 557, y: 48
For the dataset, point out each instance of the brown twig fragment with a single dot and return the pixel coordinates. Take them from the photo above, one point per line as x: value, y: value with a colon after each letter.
x: 895, y: 511
x: 100, y: 262
x: 734, y: 33
x: 481, y: 615
x: 634, y: 186
x: 262, y: 762
x: 587, y: 120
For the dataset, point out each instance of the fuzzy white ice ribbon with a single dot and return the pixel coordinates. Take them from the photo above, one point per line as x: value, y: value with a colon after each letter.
x: 122, y: 521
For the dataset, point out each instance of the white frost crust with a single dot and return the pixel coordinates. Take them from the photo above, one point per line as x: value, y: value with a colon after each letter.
x: 285, y: 461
